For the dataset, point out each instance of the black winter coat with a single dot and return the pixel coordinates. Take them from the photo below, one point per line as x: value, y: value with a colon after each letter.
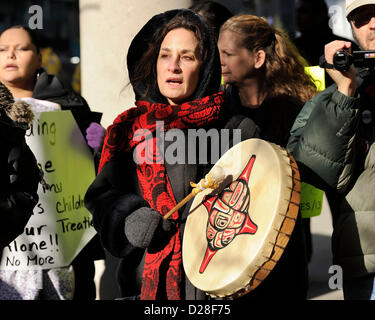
x: 114, y: 197
x: 49, y: 87
x: 19, y: 177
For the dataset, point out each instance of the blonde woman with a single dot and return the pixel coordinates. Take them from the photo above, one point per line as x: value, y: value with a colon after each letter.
x: 265, y: 80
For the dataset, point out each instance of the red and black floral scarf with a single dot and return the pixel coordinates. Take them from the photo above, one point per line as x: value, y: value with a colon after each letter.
x: 131, y: 130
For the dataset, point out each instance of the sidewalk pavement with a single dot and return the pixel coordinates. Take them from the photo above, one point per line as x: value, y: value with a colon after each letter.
x: 321, y: 230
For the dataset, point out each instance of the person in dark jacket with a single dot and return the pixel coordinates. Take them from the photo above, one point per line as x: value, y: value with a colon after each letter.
x: 174, y: 69
x: 20, y: 174
x: 333, y: 142
x: 265, y: 81
x: 25, y: 78
x: 312, y: 20
x: 21, y: 73
x: 214, y: 13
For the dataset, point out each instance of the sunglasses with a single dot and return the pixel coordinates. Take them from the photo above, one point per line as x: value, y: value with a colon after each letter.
x: 362, y: 15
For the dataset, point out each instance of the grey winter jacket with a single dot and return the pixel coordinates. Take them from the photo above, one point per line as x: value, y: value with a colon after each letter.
x: 334, y: 146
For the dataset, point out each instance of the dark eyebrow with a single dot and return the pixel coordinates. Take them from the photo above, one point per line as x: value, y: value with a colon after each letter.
x: 183, y: 50
x: 188, y: 51
x: 17, y: 44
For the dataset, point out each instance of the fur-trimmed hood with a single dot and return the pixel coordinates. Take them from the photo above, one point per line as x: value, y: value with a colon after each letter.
x: 14, y: 113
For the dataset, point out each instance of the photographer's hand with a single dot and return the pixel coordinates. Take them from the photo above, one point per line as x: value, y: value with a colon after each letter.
x: 345, y: 80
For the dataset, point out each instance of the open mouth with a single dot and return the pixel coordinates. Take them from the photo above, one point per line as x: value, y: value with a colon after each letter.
x: 10, y: 67
x: 174, y: 82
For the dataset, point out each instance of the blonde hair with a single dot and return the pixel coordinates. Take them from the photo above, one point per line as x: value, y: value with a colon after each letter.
x: 284, y: 72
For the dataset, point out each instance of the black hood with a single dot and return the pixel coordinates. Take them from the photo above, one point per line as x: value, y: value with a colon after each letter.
x: 210, y: 74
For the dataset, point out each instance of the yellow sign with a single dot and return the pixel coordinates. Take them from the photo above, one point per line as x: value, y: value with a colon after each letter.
x: 60, y: 225
x: 311, y: 200
x: 317, y: 75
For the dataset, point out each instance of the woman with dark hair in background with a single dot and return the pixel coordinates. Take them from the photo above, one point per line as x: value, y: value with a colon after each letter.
x: 21, y: 73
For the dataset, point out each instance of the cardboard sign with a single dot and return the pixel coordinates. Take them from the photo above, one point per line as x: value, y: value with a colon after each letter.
x: 60, y: 225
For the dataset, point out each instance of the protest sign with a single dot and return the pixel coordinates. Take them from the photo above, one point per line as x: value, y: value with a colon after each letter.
x: 311, y: 204
x: 60, y: 225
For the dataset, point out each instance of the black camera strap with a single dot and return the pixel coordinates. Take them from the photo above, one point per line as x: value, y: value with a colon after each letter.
x: 324, y: 64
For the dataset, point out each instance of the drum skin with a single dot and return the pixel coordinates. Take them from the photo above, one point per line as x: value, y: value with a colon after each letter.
x: 235, y: 235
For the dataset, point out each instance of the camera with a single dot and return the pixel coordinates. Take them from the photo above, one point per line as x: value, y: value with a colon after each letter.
x: 342, y: 60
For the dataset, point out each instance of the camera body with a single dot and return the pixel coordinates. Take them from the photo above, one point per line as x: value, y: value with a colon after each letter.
x: 342, y: 60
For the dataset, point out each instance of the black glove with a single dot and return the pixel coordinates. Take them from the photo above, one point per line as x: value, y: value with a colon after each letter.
x: 146, y: 228
x: 23, y: 169
x: 163, y: 233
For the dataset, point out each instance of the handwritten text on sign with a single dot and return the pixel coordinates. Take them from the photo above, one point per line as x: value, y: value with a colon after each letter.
x: 60, y: 225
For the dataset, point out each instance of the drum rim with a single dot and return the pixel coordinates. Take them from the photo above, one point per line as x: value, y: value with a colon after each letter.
x: 282, y: 239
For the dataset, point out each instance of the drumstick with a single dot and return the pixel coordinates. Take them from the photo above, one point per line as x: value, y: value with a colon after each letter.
x: 211, y: 180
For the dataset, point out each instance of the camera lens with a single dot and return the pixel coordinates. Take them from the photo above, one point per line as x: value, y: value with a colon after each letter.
x: 341, y: 61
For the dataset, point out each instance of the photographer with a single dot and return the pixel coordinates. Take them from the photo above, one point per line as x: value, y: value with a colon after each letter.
x: 332, y: 140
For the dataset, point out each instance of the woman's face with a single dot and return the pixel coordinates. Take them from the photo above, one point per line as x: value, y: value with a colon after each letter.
x: 19, y: 59
x: 237, y: 63
x: 178, y: 66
